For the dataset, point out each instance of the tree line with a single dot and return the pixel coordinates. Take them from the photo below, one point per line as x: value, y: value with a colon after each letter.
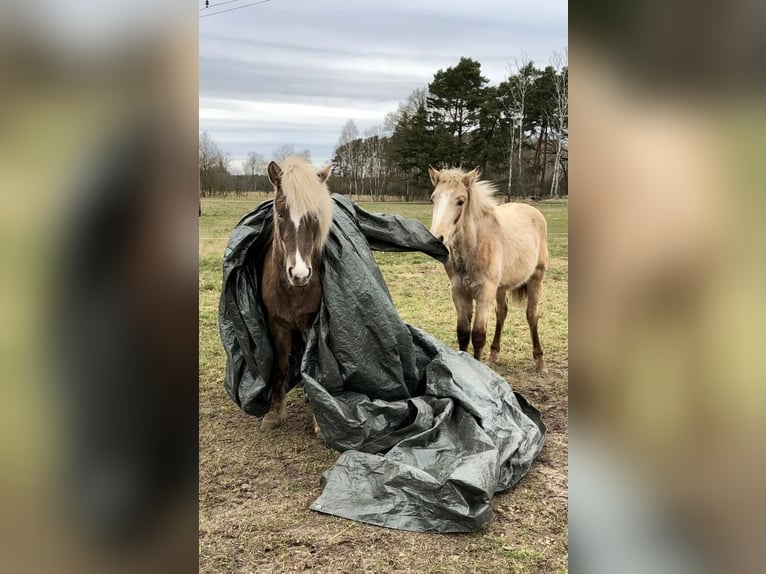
x: 216, y: 179
x: 515, y: 131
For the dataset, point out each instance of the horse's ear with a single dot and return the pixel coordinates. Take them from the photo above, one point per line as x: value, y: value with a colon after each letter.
x: 324, y: 173
x: 471, y: 176
x: 434, y: 173
x: 274, y: 172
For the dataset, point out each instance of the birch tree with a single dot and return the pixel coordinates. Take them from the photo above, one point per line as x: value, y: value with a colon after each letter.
x: 561, y: 111
x: 521, y: 77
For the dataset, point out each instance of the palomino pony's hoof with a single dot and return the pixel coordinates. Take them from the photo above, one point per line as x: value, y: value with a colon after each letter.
x: 270, y: 421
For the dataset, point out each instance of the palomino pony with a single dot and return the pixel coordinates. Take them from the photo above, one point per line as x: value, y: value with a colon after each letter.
x: 291, y: 287
x: 493, y: 249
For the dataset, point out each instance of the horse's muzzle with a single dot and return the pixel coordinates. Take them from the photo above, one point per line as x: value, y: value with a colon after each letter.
x: 299, y: 281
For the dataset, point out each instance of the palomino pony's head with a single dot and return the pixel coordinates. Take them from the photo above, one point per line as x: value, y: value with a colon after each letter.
x: 458, y: 196
x: 302, y: 216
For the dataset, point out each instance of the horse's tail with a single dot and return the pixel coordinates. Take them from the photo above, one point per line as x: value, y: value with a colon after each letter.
x: 519, y: 295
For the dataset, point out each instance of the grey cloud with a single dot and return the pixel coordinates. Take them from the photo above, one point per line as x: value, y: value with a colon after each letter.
x: 308, y: 53
x: 297, y: 83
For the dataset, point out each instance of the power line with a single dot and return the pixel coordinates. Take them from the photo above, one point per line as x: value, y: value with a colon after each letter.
x: 235, y: 8
x: 208, y: 5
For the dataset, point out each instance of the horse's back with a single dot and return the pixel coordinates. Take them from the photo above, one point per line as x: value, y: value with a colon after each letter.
x: 525, y: 227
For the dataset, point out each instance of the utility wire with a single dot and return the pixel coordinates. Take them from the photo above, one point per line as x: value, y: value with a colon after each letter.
x: 217, y: 4
x: 232, y: 9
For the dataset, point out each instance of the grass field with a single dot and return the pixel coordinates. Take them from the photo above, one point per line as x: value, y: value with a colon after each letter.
x: 255, y: 488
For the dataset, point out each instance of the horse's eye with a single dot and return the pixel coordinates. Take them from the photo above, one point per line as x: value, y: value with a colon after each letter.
x: 460, y: 201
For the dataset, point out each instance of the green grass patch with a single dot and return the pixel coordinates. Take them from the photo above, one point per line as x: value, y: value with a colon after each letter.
x: 255, y: 488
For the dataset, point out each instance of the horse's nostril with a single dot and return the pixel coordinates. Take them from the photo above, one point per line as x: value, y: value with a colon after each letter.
x: 290, y: 272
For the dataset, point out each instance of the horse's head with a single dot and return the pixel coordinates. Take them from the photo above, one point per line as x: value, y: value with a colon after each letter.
x: 302, y: 216
x: 450, y: 199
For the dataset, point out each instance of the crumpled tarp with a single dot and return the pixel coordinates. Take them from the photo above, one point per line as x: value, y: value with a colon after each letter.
x: 427, y: 434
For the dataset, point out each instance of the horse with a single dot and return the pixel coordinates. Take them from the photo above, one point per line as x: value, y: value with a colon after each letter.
x: 493, y: 249
x: 291, y: 287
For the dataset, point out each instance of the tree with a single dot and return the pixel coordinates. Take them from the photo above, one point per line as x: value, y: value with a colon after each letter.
x: 560, y: 112
x: 408, y: 107
x: 347, y: 154
x: 213, y: 166
x: 220, y: 173
x: 285, y: 150
x: 375, y: 146
x: 413, y: 147
x: 209, y: 153
x: 255, y: 164
x: 513, y: 95
x: 455, y: 98
x: 541, y: 105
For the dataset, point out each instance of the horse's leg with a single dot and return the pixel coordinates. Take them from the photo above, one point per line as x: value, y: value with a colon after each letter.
x: 501, y: 311
x: 283, y: 340
x: 464, y: 307
x: 484, y: 303
x: 317, y: 430
x: 534, y: 290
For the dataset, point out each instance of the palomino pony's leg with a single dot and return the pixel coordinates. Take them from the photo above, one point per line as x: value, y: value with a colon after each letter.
x: 501, y: 311
x: 534, y: 290
x: 484, y: 304
x: 282, y: 346
x: 464, y: 307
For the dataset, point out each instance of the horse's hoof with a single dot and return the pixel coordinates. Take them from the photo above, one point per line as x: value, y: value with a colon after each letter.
x: 541, y: 368
x: 270, y: 421
x: 493, y: 357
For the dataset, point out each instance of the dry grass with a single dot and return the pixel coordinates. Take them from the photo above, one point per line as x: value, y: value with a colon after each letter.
x: 255, y: 488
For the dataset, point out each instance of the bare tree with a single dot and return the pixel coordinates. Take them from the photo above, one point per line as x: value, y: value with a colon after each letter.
x: 390, y: 122
x: 208, y: 153
x: 559, y: 61
x: 221, y: 173
x: 348, y: 153
x: 255, y: 164
x: 375, y: 160
x: 520, y: 80
x: 282, y: 152
x: 213, y: 166
x: 286, y: 150
x: 408, y: 107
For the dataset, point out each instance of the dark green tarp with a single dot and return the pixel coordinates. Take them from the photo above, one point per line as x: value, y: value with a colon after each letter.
x: 428, y: 434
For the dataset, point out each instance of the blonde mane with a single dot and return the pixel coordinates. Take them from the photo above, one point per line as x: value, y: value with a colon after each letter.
x: 306, y: 194
x: 481, y: 194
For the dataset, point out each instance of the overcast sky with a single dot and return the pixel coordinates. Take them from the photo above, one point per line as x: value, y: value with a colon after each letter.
x: 295, y: 71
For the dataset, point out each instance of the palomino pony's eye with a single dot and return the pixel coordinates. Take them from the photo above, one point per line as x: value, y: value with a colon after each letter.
x: 460, y: 201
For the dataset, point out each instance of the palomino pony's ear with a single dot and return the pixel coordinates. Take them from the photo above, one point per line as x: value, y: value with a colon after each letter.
x: 324, y: 173
x: 274, y: 172
x: 434, y: 173
x: 471, y: 176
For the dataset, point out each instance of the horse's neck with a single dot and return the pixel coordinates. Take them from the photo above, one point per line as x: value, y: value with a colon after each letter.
x: 471, y: 233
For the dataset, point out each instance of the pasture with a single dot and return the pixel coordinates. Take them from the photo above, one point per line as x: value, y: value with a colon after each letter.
x: 255, y: 488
